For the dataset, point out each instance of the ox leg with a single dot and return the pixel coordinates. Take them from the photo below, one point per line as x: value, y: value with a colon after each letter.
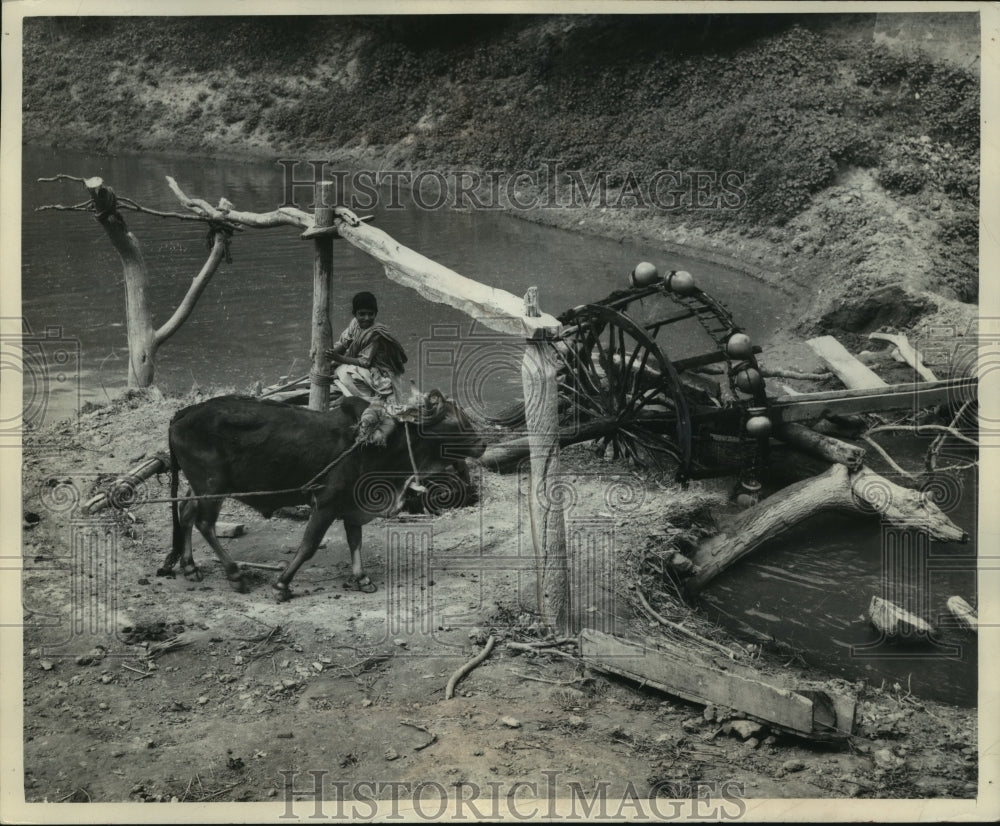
x: 358, y: 580
x: 181, y: 546
x: 316, y: 527
x: 207, y: 514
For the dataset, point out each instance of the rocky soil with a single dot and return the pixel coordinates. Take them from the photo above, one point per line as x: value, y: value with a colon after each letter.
x: 139, y: 688
x: 864, y: 173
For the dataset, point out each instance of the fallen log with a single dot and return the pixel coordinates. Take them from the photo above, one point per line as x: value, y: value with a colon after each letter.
x: 863, y: 491
x: 674, y: 669
x: 123, y: 491
x: 507, y: 454
x: 821, y: 445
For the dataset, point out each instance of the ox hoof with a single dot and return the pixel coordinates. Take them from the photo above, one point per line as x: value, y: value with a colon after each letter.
x: 192, y: 573
x: 239, y: 584
x: 166, y: 572
x: 282, y: 593
x: 360, y: 583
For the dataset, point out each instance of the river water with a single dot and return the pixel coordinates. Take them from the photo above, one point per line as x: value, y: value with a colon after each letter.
x: 253, y: 324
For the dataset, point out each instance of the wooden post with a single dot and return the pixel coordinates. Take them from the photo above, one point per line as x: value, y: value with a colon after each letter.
x: 545, y: 507
x: 322, y: 330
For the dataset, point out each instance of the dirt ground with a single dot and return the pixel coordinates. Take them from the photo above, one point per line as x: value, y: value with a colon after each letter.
x: 353, y: 684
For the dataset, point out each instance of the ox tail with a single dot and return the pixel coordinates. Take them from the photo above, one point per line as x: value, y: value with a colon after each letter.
x: 178, y: 540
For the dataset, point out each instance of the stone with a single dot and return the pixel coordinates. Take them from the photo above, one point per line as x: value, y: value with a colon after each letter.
x: 791, y: 766
x: 391, y: 754
x: 511, y: 722
x: 884, y: 758
x: 746, y: 728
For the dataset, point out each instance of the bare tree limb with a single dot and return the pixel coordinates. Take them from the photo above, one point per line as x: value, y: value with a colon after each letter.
x: 937, y: 428
x: 892, y: 462
x: 284, y: 216
x: 84, y: 206
x: 449, y: 691
x: 62, y: 177
x: 198, y: 284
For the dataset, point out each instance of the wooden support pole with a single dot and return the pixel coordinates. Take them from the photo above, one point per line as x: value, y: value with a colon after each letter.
x: 490, y: 306
x: 322, y: 330
x: 545, y: 508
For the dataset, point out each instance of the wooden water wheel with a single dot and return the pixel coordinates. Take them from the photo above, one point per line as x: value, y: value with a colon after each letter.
x: 614, y: 370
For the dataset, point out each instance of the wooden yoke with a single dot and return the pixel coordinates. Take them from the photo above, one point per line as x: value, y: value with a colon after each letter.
x: 322, y: 329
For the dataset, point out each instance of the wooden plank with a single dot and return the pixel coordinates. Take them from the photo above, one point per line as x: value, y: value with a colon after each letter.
x: 682, y: 677
x: 907, y: 353
x: 494, y: 308
x: 848, y: 369
x: 808, y: 406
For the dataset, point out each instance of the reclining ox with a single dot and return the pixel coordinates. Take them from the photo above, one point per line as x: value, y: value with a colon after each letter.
x: 270, y: 455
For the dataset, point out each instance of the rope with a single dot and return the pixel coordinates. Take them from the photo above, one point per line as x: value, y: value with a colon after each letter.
x: 320, y: 379
x: 310, y: 485
x: 413, y: 462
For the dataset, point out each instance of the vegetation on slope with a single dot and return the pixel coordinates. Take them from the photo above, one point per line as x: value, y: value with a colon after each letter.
x: 792, y: 103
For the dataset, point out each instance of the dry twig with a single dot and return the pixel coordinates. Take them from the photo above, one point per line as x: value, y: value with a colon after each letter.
x: 673, y: 625
x: 449, y: 691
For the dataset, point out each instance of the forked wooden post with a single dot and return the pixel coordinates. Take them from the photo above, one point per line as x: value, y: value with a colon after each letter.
x: 322, y: 329
x: 545, y: 495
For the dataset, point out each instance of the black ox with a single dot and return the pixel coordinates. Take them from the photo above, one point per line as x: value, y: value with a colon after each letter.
x: 263, y: 453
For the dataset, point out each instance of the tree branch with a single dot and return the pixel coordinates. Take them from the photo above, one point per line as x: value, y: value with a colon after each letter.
x: 284, y: 216
x: 198, y: 284
x: 62, y: 177
x: 128, y: 203
x: 84, y: 206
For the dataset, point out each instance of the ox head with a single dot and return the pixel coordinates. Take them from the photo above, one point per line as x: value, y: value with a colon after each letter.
x: 444, y: 422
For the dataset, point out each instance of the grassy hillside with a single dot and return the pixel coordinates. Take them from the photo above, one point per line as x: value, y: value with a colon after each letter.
x: 806, y: 108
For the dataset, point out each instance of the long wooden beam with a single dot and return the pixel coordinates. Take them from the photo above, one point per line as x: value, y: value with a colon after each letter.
x: 497, y: 309
x: 808, y: 406
x: 672, y: 668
